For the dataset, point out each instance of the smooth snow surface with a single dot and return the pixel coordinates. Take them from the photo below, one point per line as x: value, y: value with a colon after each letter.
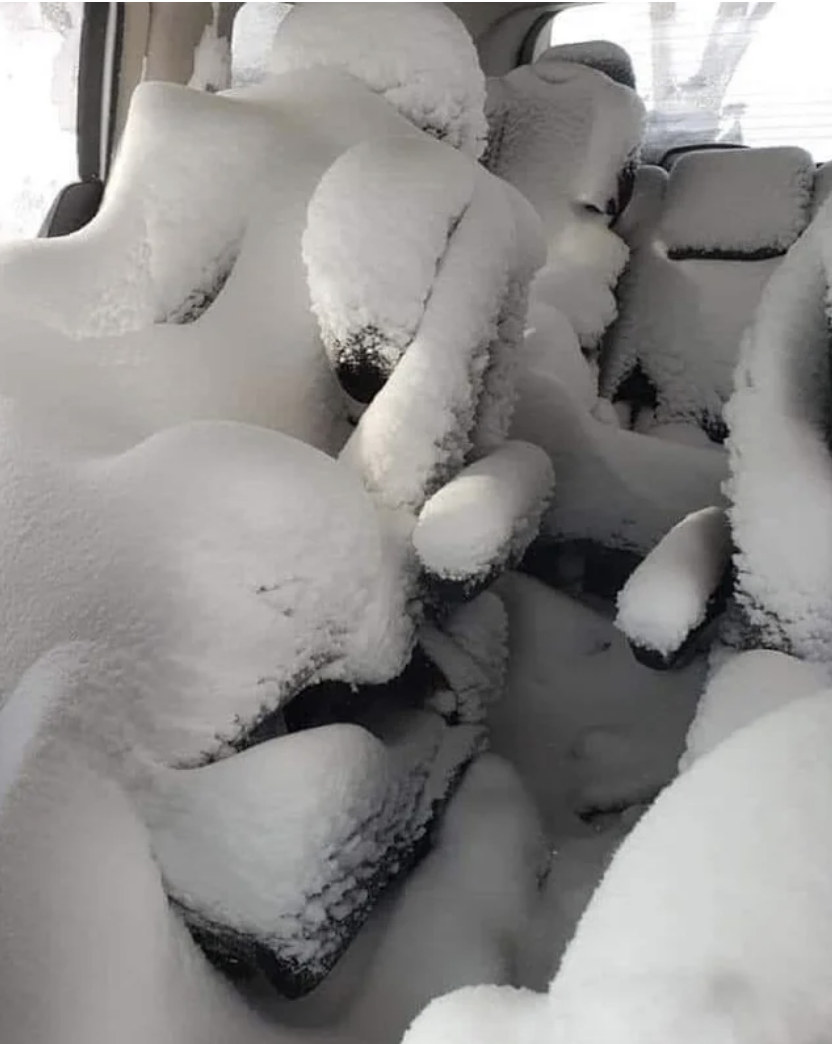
x: 667, y: 596
x: 712, y: 923
x: 419, y: 57
x: 743, y: 689
x: 617, y: 487
x: 603, y: 55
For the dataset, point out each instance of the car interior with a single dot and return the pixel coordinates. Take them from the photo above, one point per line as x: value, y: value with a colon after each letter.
x: 416, y: 487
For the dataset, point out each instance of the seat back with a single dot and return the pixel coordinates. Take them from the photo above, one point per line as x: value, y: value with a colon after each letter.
x: 781, y: 469
x: 566, y: 135
x: 191, y: 167
x: 696, y: 275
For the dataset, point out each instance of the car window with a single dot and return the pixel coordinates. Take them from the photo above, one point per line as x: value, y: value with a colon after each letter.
x: 39, y: 48
x: 255, y: 26
x: 753, y: 74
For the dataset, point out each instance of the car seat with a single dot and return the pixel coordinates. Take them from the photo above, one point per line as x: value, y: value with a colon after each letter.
x: 244, y: 612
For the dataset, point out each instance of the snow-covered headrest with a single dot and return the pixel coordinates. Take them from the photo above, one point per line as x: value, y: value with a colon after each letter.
x: 562, y: 132
x: 603, y: 55
x: 419, y: 56
x: 737, y: 204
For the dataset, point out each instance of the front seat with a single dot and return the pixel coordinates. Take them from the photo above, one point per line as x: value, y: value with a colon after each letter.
x: 263, y: 652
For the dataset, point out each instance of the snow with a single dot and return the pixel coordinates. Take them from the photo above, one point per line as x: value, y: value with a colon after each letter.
x: 481, y: 1015
x: 580, y: 277
x: 212, y: 62
x: 603, y: 55
x: 167, y: 236
x: 206, y: 557
x: 421, y: 426
x: 697, y: 275
x: 370, y: 298
x: 615, y: 487
x: 713, y: 919
x: 254, y: 859
x: 420, y: 58
x: 668, y: 595
x: 486, y: 515
x: 781, y: 473
x: 561, y: 133
x: 590, y: 729
x: 746, y: 687
x: 551, y: 345
x: 737, y: 203
x: 459, y: 920
x: 252, y: 38
x: 712, y: 922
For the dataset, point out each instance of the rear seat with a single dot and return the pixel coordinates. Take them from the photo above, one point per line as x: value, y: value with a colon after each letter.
x: 694, y: 282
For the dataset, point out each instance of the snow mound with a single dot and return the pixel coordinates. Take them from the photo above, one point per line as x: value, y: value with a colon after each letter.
x: 737, y: 203
x: 697, y: 275
x: 668, y: 595
x: 485, y: 516
x: 748, y: 686
x: 419, y: 57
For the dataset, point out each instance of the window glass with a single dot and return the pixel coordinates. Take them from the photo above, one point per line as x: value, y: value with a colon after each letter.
x: 39, y: 47
x: 254, y: 30
x: 753, y: 74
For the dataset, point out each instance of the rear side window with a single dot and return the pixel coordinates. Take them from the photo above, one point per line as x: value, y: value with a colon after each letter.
x: 753, y: 74
x: 39, y: 48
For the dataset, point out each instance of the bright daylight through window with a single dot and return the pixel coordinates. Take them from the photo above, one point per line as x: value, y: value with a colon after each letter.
x: 39, y: 46
x: 753, y: 74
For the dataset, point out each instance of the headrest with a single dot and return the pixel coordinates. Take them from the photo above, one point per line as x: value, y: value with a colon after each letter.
x: 419, y: 56
x: 646, y: 203
x: 737, y: 204
x: 562, y: 133
x: 602, y: 55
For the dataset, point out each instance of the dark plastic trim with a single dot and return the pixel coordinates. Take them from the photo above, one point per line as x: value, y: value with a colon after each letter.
x: 95, y: 127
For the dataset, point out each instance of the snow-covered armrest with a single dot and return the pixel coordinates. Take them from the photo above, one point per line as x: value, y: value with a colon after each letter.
x: 483, y: 519
x: 678, y: 589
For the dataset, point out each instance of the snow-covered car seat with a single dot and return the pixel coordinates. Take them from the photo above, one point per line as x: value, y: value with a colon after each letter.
x: 767, y: 558
x: 207, y: 205
x: 269, y: 662
x: 700, y: 261
x: 693, y: 283
x: 566, y: 134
